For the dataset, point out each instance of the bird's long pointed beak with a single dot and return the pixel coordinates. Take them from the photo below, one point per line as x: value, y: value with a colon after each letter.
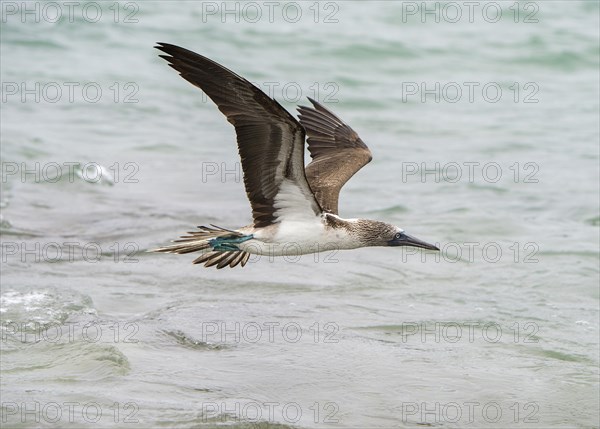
x: 407, y: 240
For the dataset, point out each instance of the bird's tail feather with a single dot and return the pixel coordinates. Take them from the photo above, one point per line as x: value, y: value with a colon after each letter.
x: 217, y: 244
x: 222, y: 259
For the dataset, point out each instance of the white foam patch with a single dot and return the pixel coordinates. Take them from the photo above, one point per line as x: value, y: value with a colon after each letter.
x: 29, y: 301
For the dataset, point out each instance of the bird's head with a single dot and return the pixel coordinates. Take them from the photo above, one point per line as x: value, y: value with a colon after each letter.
x: 400, y: 238
x: 385, y: 234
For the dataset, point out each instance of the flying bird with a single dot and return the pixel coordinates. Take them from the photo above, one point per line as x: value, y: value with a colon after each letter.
x: 294, y: 208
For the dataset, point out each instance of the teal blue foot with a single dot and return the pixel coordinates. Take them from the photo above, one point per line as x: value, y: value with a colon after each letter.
x: 227, y: 243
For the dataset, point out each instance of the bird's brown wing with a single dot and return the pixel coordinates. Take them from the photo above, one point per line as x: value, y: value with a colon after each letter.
x: 270, y: 140
x: 337, y: 153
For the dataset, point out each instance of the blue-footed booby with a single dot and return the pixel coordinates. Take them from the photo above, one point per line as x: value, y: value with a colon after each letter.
x: 294, y: 208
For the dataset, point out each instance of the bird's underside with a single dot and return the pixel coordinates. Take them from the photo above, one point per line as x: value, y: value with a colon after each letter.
x: 294, y: 207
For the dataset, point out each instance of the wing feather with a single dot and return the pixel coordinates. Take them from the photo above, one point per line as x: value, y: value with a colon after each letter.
x: 337, y: 153
x: 270, y: 140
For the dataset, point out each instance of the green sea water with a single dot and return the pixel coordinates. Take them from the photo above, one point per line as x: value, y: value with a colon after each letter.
x: 483, y: 121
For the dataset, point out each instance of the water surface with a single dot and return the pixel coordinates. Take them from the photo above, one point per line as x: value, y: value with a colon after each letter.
x: 498, y: 330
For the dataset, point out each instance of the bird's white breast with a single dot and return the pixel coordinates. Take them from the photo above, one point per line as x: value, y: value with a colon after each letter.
x: 298, y: 230
x: 299, y: 238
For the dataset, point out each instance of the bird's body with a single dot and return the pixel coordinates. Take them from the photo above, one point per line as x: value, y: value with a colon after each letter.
x: 317, y: 234
x: 294, y: 208
x: 292, y: 238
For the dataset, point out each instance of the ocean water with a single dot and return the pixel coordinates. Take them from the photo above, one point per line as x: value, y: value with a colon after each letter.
x: 483, y: 121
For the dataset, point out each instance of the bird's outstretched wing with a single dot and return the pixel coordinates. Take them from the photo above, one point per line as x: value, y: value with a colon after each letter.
x: 270, y: 140
x: 336, y: 150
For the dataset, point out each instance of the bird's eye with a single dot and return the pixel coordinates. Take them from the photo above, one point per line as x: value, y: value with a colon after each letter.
x: 398, y: 236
